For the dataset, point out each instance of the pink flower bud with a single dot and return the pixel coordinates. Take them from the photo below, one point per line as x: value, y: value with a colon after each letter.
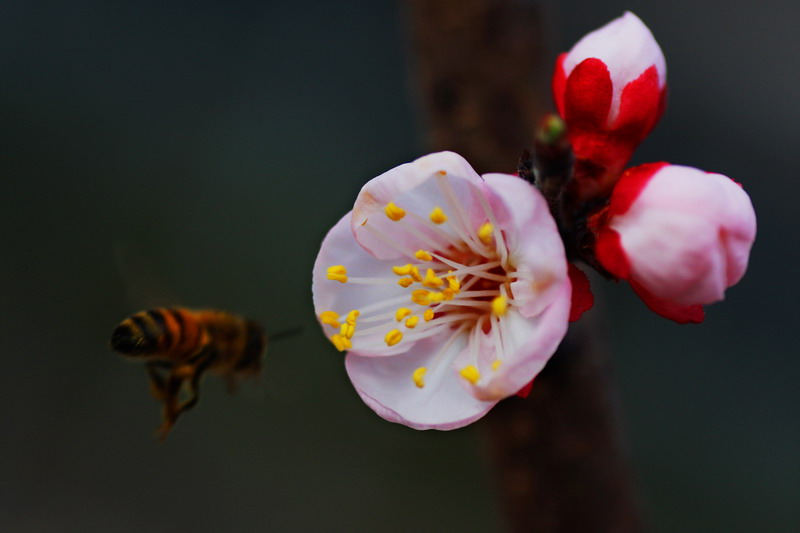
x: 611, y: 90
x: 679, y: 235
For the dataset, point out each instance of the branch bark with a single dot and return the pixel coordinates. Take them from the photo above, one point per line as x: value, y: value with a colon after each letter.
x: 560, y: 463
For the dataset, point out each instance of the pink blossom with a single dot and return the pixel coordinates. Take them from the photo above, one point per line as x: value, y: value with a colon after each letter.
x: 448, y: 290
x: 610, y: 89
x: 679, y: 235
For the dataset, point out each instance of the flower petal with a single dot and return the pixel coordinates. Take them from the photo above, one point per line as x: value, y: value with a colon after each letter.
x: 415, y: 188
x: 535, y: 247
x: 385, y: 384
x: 340, y: 248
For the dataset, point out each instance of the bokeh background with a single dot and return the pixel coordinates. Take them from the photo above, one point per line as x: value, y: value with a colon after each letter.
x: 196, y: 153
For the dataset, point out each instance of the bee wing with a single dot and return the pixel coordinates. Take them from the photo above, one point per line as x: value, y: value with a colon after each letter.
x: 145, y: 285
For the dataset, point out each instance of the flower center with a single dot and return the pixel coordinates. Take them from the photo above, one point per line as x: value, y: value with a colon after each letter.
x: 459, y: 285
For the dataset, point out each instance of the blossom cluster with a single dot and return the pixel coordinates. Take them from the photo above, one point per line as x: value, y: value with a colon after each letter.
x: 450, y: 291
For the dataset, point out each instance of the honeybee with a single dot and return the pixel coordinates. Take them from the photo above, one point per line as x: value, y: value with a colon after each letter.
x: 179, y: 346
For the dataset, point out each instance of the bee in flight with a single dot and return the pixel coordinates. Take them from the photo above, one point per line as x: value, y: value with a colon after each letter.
x: 179, y: 346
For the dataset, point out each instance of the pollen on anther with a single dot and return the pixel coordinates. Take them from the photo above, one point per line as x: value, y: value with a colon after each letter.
x: 415, y: 274
x: 393, y: 337
x: 402, y: 270
x: 337, y: 273
x: 499, y: 305
x: 485, y: 233
x: 432, y: 280
x: 422, y: 255
x: 428, y: 315
x: 412, y: 321
x: 437, y: 216
x: 393, y: 212
x: 496, y: 364
x: 405, y: 282
x: 329, y: 317
x: 454, y: 284
x: 347, y: 330
x: 401, y: 313
x: 340, y: 342
x: 419, y: 376
x: 470, y: 373
x: 352, y: 316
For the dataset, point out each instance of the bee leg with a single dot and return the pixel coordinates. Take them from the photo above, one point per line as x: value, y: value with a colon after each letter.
x: 201, y: 363
x: 158, y: 384
x: 170, y: 411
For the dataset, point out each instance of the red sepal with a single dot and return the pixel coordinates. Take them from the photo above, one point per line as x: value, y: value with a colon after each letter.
x: 587, y: 95
x: 525, y: 391
x: 582, y: 297
x: 641, y: 105
x: 608, y: 250
x: 630, y: 186
x: 682, y: 314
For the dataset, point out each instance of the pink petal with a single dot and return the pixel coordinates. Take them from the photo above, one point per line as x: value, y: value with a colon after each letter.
x: 385, y: 384
x: 340, y: 248
x: 414, y: 188
x: 687, y: 235
x: 627, y: 47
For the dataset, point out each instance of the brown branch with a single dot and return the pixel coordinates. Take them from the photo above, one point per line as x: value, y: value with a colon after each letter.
x: 560, y: 464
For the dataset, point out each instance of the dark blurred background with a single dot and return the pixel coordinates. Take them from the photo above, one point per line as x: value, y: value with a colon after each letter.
x: 196, y: 153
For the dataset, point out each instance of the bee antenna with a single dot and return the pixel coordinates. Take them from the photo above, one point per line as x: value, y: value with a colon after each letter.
x: 284, y: 333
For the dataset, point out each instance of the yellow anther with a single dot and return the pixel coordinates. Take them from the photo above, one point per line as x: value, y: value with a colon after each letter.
x: 435, y: 297
x: 432, y: 280
x: 496, y: 364
x: 437, y: 216
x: 352, y: 316
x: 448, y: 293
x: 485, y: 233
x: 347, y: 330
x: 337, y: 273
x: 419, y: 376
x: 499, y: 305
x: 393, y: 212
x: 415, y: 274
x: 421, y: 297
x: 422, y: 255
x: 393, y: 337
x: 340, y: 342
x: 428, y: 315
x: 401, y: 313
x: 405, y: 282
x: 470, y: 373
x: 329, y: 317
x: 412, y: 321
x: 453, y: 282
x: 442, y: 173
x: 402, y: 270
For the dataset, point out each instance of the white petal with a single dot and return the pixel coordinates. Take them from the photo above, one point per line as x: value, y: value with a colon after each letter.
x: 413, y: 187
x: 386, y: 385
x: 340, y: 248
x: 536, y: 250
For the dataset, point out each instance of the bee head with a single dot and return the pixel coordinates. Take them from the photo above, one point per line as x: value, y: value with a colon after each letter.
x: 128, y: 342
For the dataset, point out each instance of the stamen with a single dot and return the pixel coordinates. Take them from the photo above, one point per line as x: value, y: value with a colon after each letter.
x: 352, y: 316
x: 437, y: 216
x: 337, y: 273
x: 422, y: 255
x: 415, y: 275
x: 453, y: 282
x: 418, y: 376
x: 393, y: 212
x: 455, y: 206
x: 428, y: 315
x: 485, y: 233
x: 388, y: 241
x: 496, y: 364
x: 401, y: 313
x: 405, y: 282
x: 341, y: 343
x: 403, y: 270
x: 393, y: 337
x: 411, y: 323
x: 432, y: 280
x: 347, y: 330
x: 329, y: 317
x: 470, y: 373
x: 498, y: 235
x: 499, y: 305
